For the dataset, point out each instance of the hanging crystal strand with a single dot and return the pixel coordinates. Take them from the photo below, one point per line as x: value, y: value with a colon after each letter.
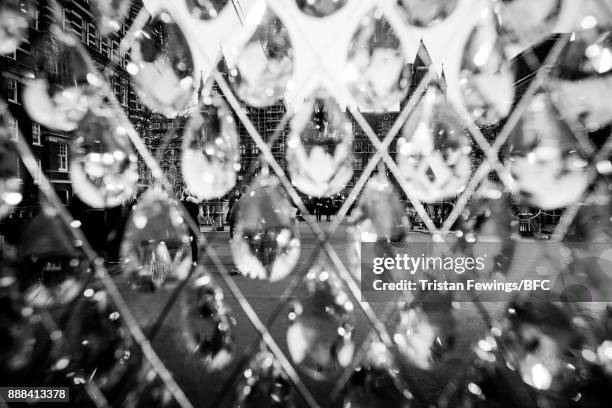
x: 103, y: 168
x: 52, y: 265
x: 264, y: 384
x: 427, y: 13
x: 266, y: 242
x: 210, y: 155
x: 549, y: 171
x: 15, y: 17
x: 425, y: 333
x: 378, y: 217
x: 375, y: 383
x: 583, y: 74
x: 63, y: 88
x: 433, y: 150
x: 320, y: 8
x: 109, y: 14
x: 162, y: 66
x: 156, y: 244
x: 485, y: 229
x: 262, y: 66
x: 319, y: 336
x: 320, y: 148
x: 523, y: 23
x: 10, y: 183
x: 98, y: 347
x: 205, y: 9
x: 484, y: 66
x: 207, y: 325
x: 604, y: 349
x: 376, y: 72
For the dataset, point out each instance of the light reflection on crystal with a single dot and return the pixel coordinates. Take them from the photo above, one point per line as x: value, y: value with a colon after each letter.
x: 156, y: 244
x: 425, y: 13
x: 584, y: 70
x: 262, y: 67
x: 538, y: 339
x: 10, y: 184
x: 425, y: 334
x: 162, y: 66
x: 266, y: 243
x: 63, y: 88
x: 210, y: 156
x: 52, y: 265
x: 319, y: 336
x: 96, y: 343
x: 19, y: 325
x: 207, y: 325
x: 548, y: 170
x: 524, y: 22
x: 375, y: 383
x: 433, y: 151
x: 378, y: 217
x: 109, y: 14
x: 320, y: 148
x: 320, y: 8
x: 484, y: 67
x: 484, y: 229
x: 376, y: 71
x: 205, y: 9
x: 14, y: 24
x: 264, y: 384
x: 103, y: 167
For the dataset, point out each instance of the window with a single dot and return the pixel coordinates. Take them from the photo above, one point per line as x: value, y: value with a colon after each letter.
x: 63, y: 157
x: 38, y: 171
x: 12, y: 90
x: 13, y: 128
x: 35, y: 133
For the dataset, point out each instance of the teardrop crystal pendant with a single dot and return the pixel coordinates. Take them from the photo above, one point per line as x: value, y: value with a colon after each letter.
x: 103, y: 169
x: 207, y: 324
x: 205, y: 9
x: 210, y: 156
x: 426, y: 13
x: 263, y: 65
x: 484, y: 229
x: 95, y: 340
x: 524, y: 23
x: 375, y: 383
x: 264, y: 384
x: 266, y: 242
x: 484, y: 66
x: 320, y: 8
x: 10, y: 183
x: 604, y: 348
x: 433, y: 150
x: 162, y: 66
x: 19, y: 325
x: 376, y: 72
x: 582, y: 74
x: 14, y: 24
x: 52, y: 264
x: 540, y: 343
x: 548, y: 170
x: 156, y: 245
x: 425, y: 334
x: 109, y: 14
x: 379, y: 217
x: 320, y: 148
x: 319, y: 336
x: 63, y: 88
